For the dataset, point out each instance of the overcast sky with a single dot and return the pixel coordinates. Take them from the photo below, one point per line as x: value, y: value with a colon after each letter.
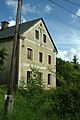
x: 63, y: 26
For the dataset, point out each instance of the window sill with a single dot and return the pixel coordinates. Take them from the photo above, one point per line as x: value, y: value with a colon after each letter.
x: 29, y: 60
x: 49, y: 86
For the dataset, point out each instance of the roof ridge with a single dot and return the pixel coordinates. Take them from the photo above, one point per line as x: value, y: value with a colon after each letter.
x: 22, y: 23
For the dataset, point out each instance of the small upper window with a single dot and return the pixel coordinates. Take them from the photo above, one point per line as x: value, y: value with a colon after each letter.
x: 49, y: 59
x: 29, y: 53
x: 44, y: 38
x: 36, y: 34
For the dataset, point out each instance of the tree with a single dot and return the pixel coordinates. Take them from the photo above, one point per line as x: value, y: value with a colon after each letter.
x: 3, y: 55
x: 75, y: 62
x: 35, y: 83
x: 66, y: 72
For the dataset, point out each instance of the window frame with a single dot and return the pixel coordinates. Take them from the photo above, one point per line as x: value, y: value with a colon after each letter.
x: 41, y: 75
x: 29, y: 53
x: 40, y: 58
x: 49, y: 59
x: 49, y: 79
x: 28, y: 76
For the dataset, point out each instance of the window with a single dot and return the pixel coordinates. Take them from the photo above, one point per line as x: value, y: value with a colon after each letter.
x: 29, y: 53
x: 41, y: 75
x: 28, y: 76
x: 49, y: 59
x: 36, y: 34
x: 40, y: 57
x: 49, y: 79
x: 44, y: 38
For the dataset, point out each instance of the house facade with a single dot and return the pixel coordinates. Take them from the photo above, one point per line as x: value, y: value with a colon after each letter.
x: 36, y: 48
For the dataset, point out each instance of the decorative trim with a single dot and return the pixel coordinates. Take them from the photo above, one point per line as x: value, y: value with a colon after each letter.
x: 34, y: 42
x: 28, y: 65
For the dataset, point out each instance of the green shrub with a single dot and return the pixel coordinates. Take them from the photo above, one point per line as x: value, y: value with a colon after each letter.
x: 35, y: 103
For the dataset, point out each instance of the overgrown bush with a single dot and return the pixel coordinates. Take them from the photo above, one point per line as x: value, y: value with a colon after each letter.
x: 35, y: 103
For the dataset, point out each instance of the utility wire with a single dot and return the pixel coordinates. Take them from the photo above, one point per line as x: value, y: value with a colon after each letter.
x: 66, y: 44
x: 72, y: 3
x: 63, y: 8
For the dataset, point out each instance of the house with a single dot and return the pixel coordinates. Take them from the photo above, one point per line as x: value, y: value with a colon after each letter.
x: 36, y: 48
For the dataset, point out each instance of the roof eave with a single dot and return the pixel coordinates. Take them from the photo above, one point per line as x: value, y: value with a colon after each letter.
x: 6, y: 38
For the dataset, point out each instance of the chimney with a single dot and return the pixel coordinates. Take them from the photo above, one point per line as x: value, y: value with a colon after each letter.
x: 4, y: 24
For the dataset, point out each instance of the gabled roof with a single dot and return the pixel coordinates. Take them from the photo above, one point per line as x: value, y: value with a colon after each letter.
x: 10, y: 31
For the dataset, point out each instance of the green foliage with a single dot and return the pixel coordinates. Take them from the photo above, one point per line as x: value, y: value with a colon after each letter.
x: 54, y: 104
x: 2, y: 94
x: 75, y: 62
x: 35, y: 82
x: 3, y: 55
x: 35, y: 103
x: 66, y: 73
x: 68, y: 90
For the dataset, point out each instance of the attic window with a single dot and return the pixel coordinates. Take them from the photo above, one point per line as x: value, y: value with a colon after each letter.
x: 44, y: 38
x: 36, y: 34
